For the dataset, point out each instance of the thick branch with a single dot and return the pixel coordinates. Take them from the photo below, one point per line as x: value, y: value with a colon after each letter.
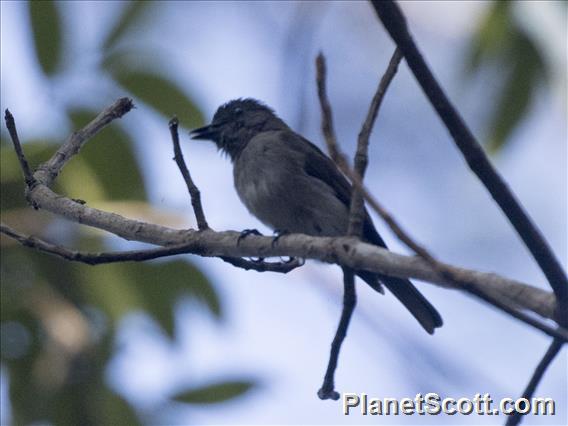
x: 343, y: 251
x: 48, y: 171
x: 138, y: 255
x: 395, y: 23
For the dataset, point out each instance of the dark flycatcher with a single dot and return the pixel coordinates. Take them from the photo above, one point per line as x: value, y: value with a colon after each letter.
x: 291, y: 186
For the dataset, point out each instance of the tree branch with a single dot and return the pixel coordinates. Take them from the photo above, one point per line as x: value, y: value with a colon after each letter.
x: 356, y: 208
x: 48, y: 171
x: 448, y: 273
x: 138, y: 255
x: 343, y: 251
x: 395, y: 23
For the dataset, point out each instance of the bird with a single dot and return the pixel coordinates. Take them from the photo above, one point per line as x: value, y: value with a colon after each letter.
x: 291, y: 186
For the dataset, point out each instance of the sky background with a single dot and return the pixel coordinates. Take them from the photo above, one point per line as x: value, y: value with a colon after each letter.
x: 278, y: 328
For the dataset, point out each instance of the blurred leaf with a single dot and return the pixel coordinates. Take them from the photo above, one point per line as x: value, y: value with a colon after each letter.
x: 109, y: 159
x: 46, y: 25
x: 152, y: 287
x: 165, y: 283
x: 114, y: 408
x: 131, y: 12
x: 11, y: 178
x: 490, y: 39
x: 36, y: 151
x: 516, y: 94
x: 214, y: 393
x: 161, y: 94
x: 502, y: 44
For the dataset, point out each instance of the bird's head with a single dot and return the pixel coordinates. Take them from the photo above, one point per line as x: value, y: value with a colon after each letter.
x: 236, y: 123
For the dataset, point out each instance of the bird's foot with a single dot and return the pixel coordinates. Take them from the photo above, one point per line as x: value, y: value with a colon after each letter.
x: 277, y: 234
x: 245, y: 233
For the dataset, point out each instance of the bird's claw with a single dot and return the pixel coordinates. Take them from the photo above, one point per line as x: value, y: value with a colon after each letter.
x: 245, y: 233
x: 277, y: 234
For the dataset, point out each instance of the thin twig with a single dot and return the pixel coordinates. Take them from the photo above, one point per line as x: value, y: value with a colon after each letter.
x: 138, y: 255
x: 395, y: 23
x: 11, y: 125
x: 48, y: 171
x: 327, y: 391
x: 191, y: 187
x: 553, y: 350
x: 327, y: 116
x: 357, y: 210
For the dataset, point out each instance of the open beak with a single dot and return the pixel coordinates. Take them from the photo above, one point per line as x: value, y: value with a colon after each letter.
x: 209, y: 132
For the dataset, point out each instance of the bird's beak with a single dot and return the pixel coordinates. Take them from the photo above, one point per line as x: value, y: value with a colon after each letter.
x: 209, y: 132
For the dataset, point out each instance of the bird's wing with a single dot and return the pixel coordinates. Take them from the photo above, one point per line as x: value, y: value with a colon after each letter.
x: 320, y: 166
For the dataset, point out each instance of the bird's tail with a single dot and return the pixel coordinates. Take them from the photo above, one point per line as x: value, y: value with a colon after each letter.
x: 410, y: 297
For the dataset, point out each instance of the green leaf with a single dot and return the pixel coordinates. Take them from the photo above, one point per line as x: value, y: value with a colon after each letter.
x: 128, y: 20
x: 215, y: 393
x: 516, y: 95
x: 492, y: 37
x: 46, y: 25
x: 113, y: 409
x: 109, y: 159
x: 151, y: 287
x: 162, y: 284
x: 161, y: 94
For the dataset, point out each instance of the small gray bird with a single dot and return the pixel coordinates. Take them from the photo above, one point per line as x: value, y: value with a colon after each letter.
x: 292, y: 186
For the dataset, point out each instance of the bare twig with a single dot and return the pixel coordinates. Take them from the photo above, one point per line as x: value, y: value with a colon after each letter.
x: 138, y: 255
x: 553, y: 350
x: 48, y: 171
x: 327, y: 116
x: 11, y: 125
x: 357, y: 211
x: 191, y: 187
x: 395, y: 23
x: 327, y: 391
